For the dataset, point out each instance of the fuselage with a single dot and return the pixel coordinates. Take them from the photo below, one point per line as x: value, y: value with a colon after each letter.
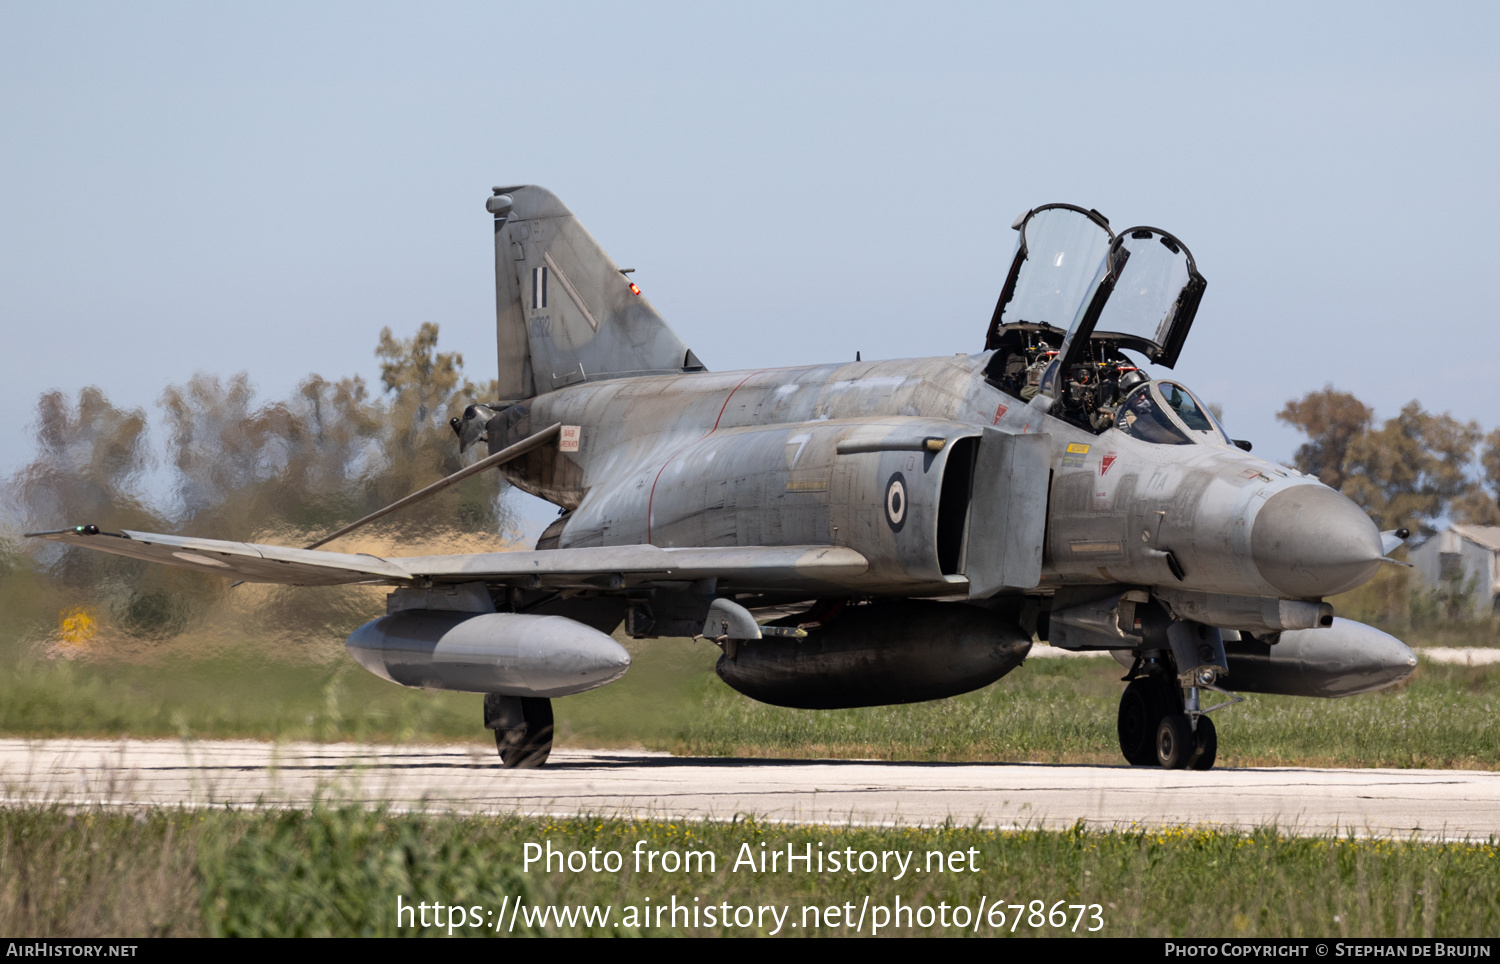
x: 817, y: 455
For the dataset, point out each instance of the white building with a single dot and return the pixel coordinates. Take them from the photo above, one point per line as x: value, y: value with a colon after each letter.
x: 1471, y: 553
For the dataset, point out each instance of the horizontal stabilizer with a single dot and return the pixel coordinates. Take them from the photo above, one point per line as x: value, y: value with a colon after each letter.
x: 601, y: 567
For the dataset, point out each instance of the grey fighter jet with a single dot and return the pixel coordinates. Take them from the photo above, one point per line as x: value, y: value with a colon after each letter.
x: 865, y: 533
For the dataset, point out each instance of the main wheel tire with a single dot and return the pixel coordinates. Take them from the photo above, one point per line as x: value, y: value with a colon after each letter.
x: 1205, y: 745
x: 1174, y: 741
x: 1140, y: 711
x: 524, y: 749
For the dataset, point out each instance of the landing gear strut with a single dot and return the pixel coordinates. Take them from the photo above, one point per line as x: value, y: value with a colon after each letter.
x: 523, y: 729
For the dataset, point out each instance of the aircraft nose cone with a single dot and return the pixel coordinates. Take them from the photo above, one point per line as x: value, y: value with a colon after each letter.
x: 1309, y: 541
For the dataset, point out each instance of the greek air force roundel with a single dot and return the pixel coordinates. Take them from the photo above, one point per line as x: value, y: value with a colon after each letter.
x: 895, y: 502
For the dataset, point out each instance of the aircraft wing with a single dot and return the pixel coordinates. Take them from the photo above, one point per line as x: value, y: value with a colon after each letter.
x: 243, y: 560
x: 616, y: 567
x: 602, y: 567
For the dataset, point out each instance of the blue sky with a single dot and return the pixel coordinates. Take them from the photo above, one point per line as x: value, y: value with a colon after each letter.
x: 263, y: 187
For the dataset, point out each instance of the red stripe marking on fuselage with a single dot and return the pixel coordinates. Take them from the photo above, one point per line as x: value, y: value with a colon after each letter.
x: 651, y: 499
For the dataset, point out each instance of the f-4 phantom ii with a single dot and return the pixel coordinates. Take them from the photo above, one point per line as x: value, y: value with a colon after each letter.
x: 867, y: 533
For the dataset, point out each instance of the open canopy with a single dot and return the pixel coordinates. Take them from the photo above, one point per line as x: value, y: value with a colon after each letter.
x: 1137, y: 290
x: 1058, y: 251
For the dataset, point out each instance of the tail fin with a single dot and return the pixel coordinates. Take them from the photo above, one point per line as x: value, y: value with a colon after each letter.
x: 564, y: 312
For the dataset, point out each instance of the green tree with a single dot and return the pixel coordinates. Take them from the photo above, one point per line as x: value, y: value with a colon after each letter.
x: 227, y: 453
x: 1409, y: 471
x: 424, y: 388
x: 1331, y: 420
x: 241, y: 468
x: 91, y: 458
x: 1480, y: 503
x: 339, y: 437
x: 329, y: 453
x: 90, y: 466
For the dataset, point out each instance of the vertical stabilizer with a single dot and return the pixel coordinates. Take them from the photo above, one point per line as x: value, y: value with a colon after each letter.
x: 564, y: 312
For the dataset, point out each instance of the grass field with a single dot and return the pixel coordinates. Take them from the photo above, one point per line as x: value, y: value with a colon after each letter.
x: 268, y: 663
x: 1048, y: 710
x: 1064, y: 711
x: 341, y: 872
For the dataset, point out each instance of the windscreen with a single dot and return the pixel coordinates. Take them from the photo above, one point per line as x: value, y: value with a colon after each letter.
x: 1168, y: 414
x: 1198, y: 420
x: 1140, y: 416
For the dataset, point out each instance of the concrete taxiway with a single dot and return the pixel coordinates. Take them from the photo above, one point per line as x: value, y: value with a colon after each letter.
x: 85, y: 773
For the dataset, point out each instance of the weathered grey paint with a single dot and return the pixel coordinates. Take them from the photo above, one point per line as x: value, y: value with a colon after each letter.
x: 843, y: 480
x: 564, y: 312
x: 750, y: 458
x: 1008, y: 519
x: 1341, y: 660
x: 505, y: 653
x: 729, y: 620
x: 1196, y: 647
x: 1254, y: 613
x: 815, y: 568
x: 945, y: 650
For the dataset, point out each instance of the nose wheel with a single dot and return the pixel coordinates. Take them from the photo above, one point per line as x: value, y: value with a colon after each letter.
x: 1155, y: 731
x: 1145, y: 702
x: 1181, y: 746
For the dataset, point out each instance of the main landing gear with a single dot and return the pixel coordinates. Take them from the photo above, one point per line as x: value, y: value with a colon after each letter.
x: 523, y: 729
x: 1157, y: 726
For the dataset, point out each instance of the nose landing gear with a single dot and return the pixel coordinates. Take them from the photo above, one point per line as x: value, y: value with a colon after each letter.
x: 1143, y: 706
x: 1182, y: 746
x: 1157, y: 726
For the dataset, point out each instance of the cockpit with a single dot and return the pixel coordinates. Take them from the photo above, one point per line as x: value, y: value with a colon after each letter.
x: 1168, y: 414
x: 1078, y: 297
